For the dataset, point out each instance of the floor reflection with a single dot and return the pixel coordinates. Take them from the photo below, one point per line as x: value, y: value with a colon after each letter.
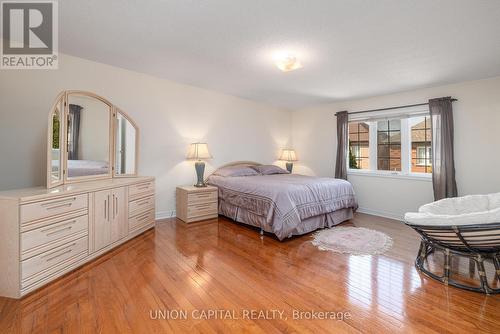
x: 220, y: 264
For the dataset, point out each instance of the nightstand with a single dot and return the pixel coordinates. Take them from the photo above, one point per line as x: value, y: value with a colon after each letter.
x: 194, y: 204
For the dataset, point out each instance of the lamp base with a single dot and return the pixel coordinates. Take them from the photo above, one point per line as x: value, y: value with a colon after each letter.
x: 289, y: 167
x: 200, y: 170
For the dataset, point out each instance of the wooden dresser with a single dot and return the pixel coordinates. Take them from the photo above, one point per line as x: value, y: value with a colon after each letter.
x: 196, y: 203
x: 49, y: 232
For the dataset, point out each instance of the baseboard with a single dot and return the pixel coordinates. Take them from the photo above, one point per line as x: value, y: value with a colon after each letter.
x: 165, y: 214
x: 385, y: 214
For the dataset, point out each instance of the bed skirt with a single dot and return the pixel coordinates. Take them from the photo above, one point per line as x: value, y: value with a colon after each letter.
x: 306, y: 226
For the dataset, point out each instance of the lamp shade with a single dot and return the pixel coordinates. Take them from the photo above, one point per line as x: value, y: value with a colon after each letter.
x: 198, y: 151
x: 288, y: 155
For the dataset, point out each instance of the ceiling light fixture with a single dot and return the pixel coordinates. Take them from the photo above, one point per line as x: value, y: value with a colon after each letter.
x: 288, y: 63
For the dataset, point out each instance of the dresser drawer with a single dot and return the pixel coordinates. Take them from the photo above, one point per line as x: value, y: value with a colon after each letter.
x: 141, y: 188
x: 202, y: 197
x: 197, y: 210
x: 39, y: 210
x: 50, y: 259
x: 56, y: 230
x: 141, y: 220
x: 141, y: 204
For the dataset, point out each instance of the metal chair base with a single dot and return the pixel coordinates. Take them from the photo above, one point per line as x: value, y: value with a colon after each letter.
x: 475, y: 259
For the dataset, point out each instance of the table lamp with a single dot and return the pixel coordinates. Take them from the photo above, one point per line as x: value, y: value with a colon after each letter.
x: 288, y: 155
x: 199, y: 152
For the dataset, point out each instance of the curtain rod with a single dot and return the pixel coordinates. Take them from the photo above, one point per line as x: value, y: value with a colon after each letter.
x: 390, y: 108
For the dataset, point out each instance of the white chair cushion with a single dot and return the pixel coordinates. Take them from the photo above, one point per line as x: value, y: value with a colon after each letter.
x: 494, y: 200
x: 467, y: 210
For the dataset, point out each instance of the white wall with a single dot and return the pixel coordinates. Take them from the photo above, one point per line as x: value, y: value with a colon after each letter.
x: 169, y: 115
x: 172, y: 115
x: 477, y: 142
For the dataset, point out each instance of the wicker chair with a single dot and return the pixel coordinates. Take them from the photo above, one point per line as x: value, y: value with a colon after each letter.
x: 476, y: 242
x: 446, y: 226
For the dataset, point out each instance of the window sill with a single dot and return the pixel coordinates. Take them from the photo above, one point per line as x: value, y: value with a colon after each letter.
x: 392, y: 175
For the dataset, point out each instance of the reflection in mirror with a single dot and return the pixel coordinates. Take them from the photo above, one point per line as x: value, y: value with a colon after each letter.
x: 87, y: 136
x: 56, y: 142
x: 125, y: 148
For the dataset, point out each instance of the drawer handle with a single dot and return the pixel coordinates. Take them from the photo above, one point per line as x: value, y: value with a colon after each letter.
x: 143, y: 202
x: 54, y: 227
x: 59, y: 231
x: 64, y: 201
x: 146, y: 186
x: 59, y: 255
x: 116, y: 205
x: 202, y: 206
x: 59, y: 206
x: 143, y: 218
x: 65, y: 250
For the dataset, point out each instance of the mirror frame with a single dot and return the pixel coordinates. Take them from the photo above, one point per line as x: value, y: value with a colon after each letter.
x: 113, y: 121
x: 109, y: 174
x: 60, y: 99
x: 131, y: 121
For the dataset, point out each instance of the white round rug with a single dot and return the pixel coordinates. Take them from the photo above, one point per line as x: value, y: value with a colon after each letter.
x: 352, y: 240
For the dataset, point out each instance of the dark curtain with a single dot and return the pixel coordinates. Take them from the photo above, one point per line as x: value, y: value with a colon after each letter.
x: 342, y: 143
x: 443, y: 165
x: 74, y: 125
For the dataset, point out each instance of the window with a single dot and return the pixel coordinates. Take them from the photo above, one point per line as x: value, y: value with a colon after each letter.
x: 389, y: 145
x: 420, y: 145
x: 423, y: 156
x: 359, y: 134
x: 399, y: 145
x: 55, y: 130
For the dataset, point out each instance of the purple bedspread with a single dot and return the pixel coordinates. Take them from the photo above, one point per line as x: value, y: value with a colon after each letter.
x: 285, y: 199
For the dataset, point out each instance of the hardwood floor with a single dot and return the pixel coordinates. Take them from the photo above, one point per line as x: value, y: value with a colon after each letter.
x: 205, y: 267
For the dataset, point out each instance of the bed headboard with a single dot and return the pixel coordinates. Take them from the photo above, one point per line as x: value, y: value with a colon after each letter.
x: 235, y: 163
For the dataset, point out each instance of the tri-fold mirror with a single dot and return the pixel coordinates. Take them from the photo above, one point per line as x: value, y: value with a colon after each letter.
x: 89, y: 139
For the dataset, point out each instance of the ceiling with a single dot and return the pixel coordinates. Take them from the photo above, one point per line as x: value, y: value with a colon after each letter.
x: 349, y: 48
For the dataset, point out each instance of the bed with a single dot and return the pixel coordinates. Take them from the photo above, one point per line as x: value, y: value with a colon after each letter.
x: 78, y: 168
x: 281, y: 203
